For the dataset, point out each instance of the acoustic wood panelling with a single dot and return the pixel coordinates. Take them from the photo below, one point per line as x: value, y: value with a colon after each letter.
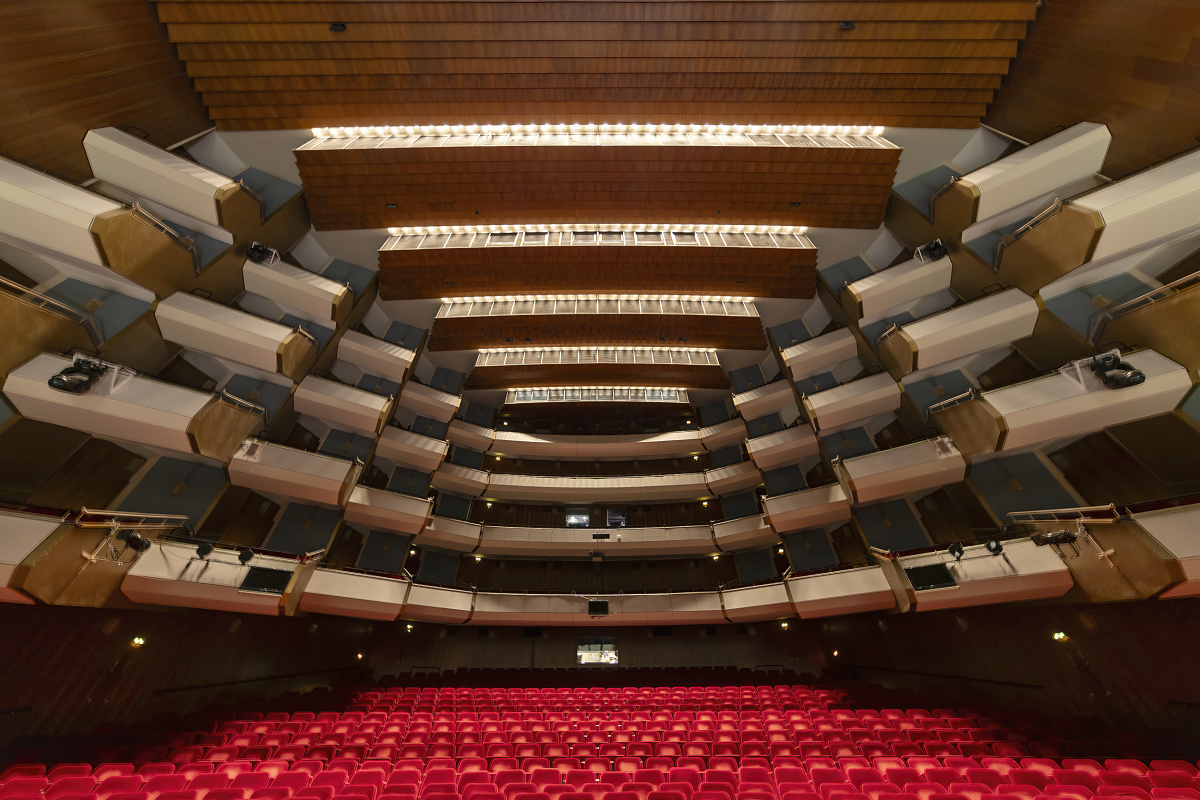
x: 73, y: 65
x: 1133, y: 66
x: 539, y: 330
x: 459, y: 272
x: 363, y: 186
x: 275, y: 64
x: 682, y: 375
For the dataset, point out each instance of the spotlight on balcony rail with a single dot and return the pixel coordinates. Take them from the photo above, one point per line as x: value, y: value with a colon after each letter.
x: 956, y: 550
x: 259, y: 253
x: 79, y: 377
x: 1115, y: 373
x: 134, y: 541
x: 245, y: 556
x: 204, y: 550
x: 1054, y: 537
x: 931, y: 251
x: 994, y: 547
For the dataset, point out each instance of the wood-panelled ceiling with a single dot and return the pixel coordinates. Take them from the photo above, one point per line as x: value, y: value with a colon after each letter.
x: 685, y: 376
x: 275, y: 64
x: 471, y: 272
x: 375, y: 187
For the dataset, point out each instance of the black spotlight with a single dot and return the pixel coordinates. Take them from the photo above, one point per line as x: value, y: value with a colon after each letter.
x: 1057, y: 537
x: 994, y: 547
x: 337, y: 27
x: 1115, y: 373
x: 78, y: 377
x: 846, y: 26
x: 204, y: 550
x: 245, y: 556
x: 134, y: 540
x: 956, y: 550
x: 259, y: 253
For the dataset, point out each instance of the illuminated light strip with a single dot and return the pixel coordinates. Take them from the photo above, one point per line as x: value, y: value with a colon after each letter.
x: 598, y: 388
x: 521, y: 298
x: 353, y: 131
x: 599, y: 349
x: 587, y: 227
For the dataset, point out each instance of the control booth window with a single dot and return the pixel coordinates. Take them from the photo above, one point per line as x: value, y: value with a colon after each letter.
x: 597, y: 650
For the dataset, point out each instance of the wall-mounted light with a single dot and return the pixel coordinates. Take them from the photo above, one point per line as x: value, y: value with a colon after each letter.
x: 846, y: 26
x: 337, y: 27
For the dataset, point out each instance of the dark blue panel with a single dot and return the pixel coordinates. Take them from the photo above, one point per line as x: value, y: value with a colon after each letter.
x: 784, y: 480
x: 453, y: 506
x: 771, y: 423
x: 112, y: 311
x: 303, y: 529
x: 736, y: 506
x: 816, y: 383
x: 755, y: 566
x: 848, y: 443
x: 727, y: 456
x: 987, y: 245
x: 176, y: 487
x: 430, y: 427
x: 343, y: 444
x: 384, y: 552
x: 207, y: 247
x: 892, y: 526
x: 437, y: 567
x: 404, y: 335
x: 936, y: 389
x: 380, y: 386
x: 273, y: 191
x: 872, y: 331
x: 479, y: 414
x: 318, y: 332
x: 447, y: 380
x: 1019, y: 483
x: 790, y: 333
x: 268, y: 395
x: 410, y: 482
x: 357, y: 278
x: 712, y: 413
x: 848, y: 271
x: 465, y: 457
x: 809, y: 550
x: 1078, y: 307
x: 747, y: 378
x: 919, y: 191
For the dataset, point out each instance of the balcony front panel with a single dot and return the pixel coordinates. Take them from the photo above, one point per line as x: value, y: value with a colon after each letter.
x: 754, y: 603
x: 471, y: 436
x: 23, y: 533
x: 723, y: 434
x: 763, y: 400
x: 690, y: 540
x: 740, y: 534
x: 615, y: 447
x: 342, y: 406
x: 300, y: 289
x: 554, y: 490
x: 779, y: 449
x: 449, y: 534
x: 437, y: 179
x: 349, y: 594
x: 171, y: 574
x: 437, y: 604
x: 1022, y: 572
x: 734, y: 478
x: 895, y: 286
x: 901, y: 471
x: 807, y: 508
x: 386, y: 510
x: 850, y: 591
x: 460, y: 480
x: 842, y: 406
x: 677, y: 608
x: 1175, y: 530
x: 429, y: 402
x: 584, y: 366
x: 411, y: 450
x: 375, y: 356
x: 304, y: 476
x: 805, y: 359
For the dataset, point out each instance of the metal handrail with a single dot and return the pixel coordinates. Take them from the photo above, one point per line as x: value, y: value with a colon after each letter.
x: 262, y: 206
x: 308, y: 336
x: 162, y: 227
x: 969, y: 394
x: 135, y: 520
x: 1038, y: 219
x: 56, y: 307
x: 1097, y: 514
x: 1149, y: 298
x: 246, y: 404
x: 890, y: 331
x: 938, y: 193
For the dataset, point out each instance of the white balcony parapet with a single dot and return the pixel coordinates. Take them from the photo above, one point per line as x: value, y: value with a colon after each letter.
x: 624, y: 489
x: 437, y: 604
x: 122, y: 405
x: 616, y: 447
x: 386, y: 510
x: 1059, y: 406
x: 1031, y: 172
x: 1023, y: 571
x: 817, y: 355
x: 471, y: 436
x: 234, y: 335
x: 763, y: 400
x: 450, y: 534
x: 985, y: 324
x: 375, y: 356
x: 171, y: 574
x: 779, y: 449
x: 300, y: 289
x: 343, y: 406
x: 723, y: 434
x: 309, y: 477
x: 23, y: 533
x: 351, y: 594
x: 850, y: 591
x: 411, y: 450
x: 752, y: 603
x: 50, y: 215
x: 896, y: 286
x: 429, y: 402
x: 843, y: 406
x: 579, y: 542
x: 460, y: 480
x: 739, y: 534
x: 157, y: 174
x: 901, y: 471
x: 734, y: 478
x: 807, y: 508
x: 682, y: 608
x: 1175, y: 530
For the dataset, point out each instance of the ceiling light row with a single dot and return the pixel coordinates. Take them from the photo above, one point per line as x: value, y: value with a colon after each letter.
x: 585, y: 227
x: 590, y: 127
x: 598, y: 388
x: 521, y: 298
x: 602, y: 349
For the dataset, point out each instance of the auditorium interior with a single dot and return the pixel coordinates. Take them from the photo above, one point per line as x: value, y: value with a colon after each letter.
x: 864, y: 465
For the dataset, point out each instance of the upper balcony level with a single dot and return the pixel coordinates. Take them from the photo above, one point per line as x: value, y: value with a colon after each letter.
x: 473, y: 323
x: 501, y: 260
x: 511, y: 174
x: 620, y: 366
